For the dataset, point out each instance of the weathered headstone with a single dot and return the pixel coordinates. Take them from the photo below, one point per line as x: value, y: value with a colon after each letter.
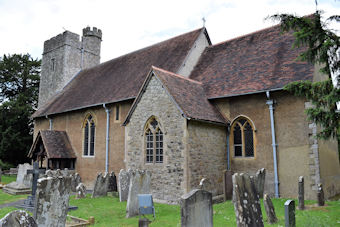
x: 23, y: 183
x: 269, y: 208
x: 81, y: 191
x: 52, y: 201
x: 260, y: 178
x: 76, y: 180
x: 101, y: 185
x: 320, y: 195
x: 196, y: 209
x: 35, y: 176
x: 140, y: 183
x: 290, y: 213
x: 227, y: 185
x: 112, y: 182
x: 18, y: 218
x: 205, y: 185
x: 123, y: 185
x: 246, y: 201
x: 301, y: 195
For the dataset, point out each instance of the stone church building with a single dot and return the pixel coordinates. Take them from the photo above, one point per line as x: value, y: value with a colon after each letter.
x: 184, y: 109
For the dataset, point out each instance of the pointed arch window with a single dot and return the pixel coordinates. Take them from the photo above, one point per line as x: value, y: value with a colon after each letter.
x: 153, y: 142
x: 89, y: 136
x: 242, y: 140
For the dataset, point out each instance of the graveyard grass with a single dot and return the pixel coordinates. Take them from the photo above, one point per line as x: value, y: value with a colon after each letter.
x: 5, y: 198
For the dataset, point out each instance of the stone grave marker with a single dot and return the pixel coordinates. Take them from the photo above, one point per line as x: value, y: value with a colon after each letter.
x: 260, y: 178
x: 320, y: 195
x: 196, y: 209
x: 23, y: 183
x: 205, y: 184
x: 81, y: 191
x: 18, y: 218
x: 301, y: 193
x: 246, y: 201
x: 290, y: 213
x: 112, y: 182
x: 35, y: 176
x: 52, y: 201
x: 101, y: 185
x: 76, y: 180
x: 269, y: 208
x: 123, y: 185
x: 140, y: 183
x: 227, y: 185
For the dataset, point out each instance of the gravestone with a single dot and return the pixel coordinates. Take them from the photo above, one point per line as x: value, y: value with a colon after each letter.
x: 76, y: 180
x: 29, y: 202
x: 101, y: 185
x: 269, y: 208
x: 246, y: 201
x: 140, y: 183
x: 18, y: 218
x: 196, y: 209
x: 112, y: 182
x: 260, y: 178
x: 205, y: 185
x: 290, y: 213
x: 227, y: 185
x: 320, y: 195
x: 52, y: 201
x: 23, y: 183
x: 123, y: 185
x: 301, y: 193
x: 81, y: 191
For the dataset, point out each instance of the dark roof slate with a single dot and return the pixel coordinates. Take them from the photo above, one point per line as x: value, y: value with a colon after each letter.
x: 260, y: 61
x: 120, y: 78
x: 56, y: 143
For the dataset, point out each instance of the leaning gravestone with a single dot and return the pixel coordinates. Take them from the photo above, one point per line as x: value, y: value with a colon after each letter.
x: 269, y: 208
x: 76, y: 180
x: 140, y: 182
x: 301, y: 195
x: 123, y: 185
x: 227, y: 184
x: 260, y: 178
x: 18, y: 218
x: 23, y: 183
x: 290, y: 213
x: 112, y: 182
x: 101, y: 185
x: 52, y: 201
x: 246, y: 201
x: 81, y: 191
x: 196, y: 209
x: 320, y: 196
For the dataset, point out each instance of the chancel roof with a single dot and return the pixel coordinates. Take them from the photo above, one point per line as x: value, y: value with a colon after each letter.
x: 188, y: 95
x: 260, y: 61
x: 120, y: 78
x: 56, y: 143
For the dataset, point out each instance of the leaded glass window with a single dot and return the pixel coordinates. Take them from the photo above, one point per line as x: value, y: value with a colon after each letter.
x: 89, y: 136
x: 154, y: 142
x: 243, y: 138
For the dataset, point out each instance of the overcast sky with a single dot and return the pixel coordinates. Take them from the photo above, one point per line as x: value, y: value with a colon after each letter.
x: 128, y: 25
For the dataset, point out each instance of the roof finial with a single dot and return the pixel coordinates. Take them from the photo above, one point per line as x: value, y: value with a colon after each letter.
x: 203, y: 19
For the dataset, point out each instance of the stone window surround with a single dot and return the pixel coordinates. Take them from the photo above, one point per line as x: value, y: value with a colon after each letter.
x: 94, y: 119
x: 231, y: 140
x: 147, y: 128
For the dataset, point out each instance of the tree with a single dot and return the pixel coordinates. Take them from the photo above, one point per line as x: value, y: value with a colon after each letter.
x: 19, y: 87
x: 321, y: 47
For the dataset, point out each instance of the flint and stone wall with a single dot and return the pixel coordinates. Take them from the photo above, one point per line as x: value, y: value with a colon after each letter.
x: 168, y: 178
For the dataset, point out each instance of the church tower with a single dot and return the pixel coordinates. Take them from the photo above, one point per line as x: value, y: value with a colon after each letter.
x: 64, y: 56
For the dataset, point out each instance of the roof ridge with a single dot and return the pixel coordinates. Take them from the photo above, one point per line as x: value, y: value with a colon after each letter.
x: 244, y: 35
x: 177, y: 75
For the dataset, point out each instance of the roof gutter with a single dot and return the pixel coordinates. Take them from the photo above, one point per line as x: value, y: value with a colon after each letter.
x: 249, y: 93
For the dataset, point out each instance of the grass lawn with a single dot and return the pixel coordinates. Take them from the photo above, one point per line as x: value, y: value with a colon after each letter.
x: 6, y: 198
x: 5, y: 179
x: 108, y: 211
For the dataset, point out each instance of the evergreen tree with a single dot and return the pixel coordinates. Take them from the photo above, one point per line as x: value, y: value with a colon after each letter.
x: 19, y: 87
x: 321, y: 47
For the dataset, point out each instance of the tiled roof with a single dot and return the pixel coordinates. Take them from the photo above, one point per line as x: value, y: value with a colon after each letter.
x: 188, y: 94
x: 260, y: 61
x: 56, y: 143
x: 120, y: 78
